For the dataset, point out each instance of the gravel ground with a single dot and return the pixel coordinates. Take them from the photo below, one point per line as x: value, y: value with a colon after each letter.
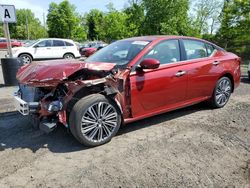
x: 191, y: 147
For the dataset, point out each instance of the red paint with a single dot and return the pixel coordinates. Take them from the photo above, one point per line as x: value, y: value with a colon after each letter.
x: 50, y: 73
x: 149, y: 64
x: 88, y: 51
x: 144, y: 92
x: 62, y: 116
x: 14, y: 43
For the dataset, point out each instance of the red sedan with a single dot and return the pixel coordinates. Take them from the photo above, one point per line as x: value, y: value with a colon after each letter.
x: 14, y: 43
x: 86, y: 52
x: 128, y: 80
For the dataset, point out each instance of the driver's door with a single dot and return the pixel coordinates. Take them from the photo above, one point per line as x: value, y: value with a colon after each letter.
x: 156, y: 90
x: 43, y: 50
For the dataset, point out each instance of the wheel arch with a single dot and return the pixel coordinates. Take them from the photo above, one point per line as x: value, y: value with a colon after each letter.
x: 69, y: 53
x: 23, y: 53
x: 230, y: 76
x: 97, y: 89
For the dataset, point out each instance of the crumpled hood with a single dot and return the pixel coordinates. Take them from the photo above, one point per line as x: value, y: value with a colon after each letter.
x: 45, y: 72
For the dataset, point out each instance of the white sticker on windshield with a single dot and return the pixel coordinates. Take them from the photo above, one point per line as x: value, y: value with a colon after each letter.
x: 144, y: 43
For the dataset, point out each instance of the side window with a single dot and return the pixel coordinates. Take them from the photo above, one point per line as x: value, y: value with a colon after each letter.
x: 69, y: 44
x: 166, y: 52
x: 195, y: 49
x: 44, y: 43
x: 210, y: 49
x: 58, y: 43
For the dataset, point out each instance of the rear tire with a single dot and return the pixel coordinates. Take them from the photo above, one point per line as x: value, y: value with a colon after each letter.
x: 68, y: 56
x: 94, y: 120
x: 222, y: 93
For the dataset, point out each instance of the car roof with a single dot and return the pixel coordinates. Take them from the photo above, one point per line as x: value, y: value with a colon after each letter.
x: 56, y: 39
x: 164, y: 37
x: 156, y: 37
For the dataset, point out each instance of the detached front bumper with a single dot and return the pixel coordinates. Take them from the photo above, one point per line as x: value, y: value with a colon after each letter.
x: 25, y: 108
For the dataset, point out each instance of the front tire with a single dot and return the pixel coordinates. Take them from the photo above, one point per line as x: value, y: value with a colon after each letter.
x: 26, y: 59
x: 222, y: 93
x: 94, y: 120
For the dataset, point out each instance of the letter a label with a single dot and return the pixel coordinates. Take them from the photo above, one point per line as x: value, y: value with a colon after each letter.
x: 6, y: 14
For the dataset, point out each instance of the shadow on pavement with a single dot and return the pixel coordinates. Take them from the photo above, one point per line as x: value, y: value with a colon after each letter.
x: 16, y: 132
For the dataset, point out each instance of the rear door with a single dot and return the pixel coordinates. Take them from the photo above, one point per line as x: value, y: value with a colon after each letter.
x: 58, y: 48
x: 203, y: 70
x: 72, y: 47
x: 159, y: 89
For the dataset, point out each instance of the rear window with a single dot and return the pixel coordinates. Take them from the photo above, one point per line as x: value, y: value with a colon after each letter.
x: 210, y: 49
x: 69, y: 44
x: 195, y: 49
x: 58, y: 43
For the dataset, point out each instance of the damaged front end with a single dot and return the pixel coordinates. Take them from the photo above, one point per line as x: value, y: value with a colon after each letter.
x: 49, y: 90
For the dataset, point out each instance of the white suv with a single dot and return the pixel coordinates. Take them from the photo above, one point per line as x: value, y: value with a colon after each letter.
x: 51, y: 48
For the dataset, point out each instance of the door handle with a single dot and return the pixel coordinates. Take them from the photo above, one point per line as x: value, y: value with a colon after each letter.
x: 180, y: 73
x: 48, y: 48
x: 216, y: 62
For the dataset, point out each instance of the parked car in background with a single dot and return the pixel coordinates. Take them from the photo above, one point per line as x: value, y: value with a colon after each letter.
x: 26, y: 42
x: 50, y: 48
x: 89, y: 49
x: 126, y: 81
x: 14, y: 43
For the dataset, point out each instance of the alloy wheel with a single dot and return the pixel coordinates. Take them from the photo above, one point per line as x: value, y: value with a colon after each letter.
x: 26, y: 60
x: 68, y: 56
x: 99, y: 122
x: 223, y: 92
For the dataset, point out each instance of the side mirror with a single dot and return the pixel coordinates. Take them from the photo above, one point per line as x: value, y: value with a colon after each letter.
x: 149, y: 63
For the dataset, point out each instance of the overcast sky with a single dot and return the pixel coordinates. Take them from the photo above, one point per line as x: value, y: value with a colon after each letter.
x: 41, y: 6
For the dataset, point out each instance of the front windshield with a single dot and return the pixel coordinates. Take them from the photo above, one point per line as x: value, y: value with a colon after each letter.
x: 30, y: 43
x: 120, y: 52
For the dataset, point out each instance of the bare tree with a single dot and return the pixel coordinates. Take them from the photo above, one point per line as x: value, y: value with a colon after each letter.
x: 206, y: 15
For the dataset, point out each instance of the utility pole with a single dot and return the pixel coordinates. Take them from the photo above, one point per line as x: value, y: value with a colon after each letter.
x: 44, y: 22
